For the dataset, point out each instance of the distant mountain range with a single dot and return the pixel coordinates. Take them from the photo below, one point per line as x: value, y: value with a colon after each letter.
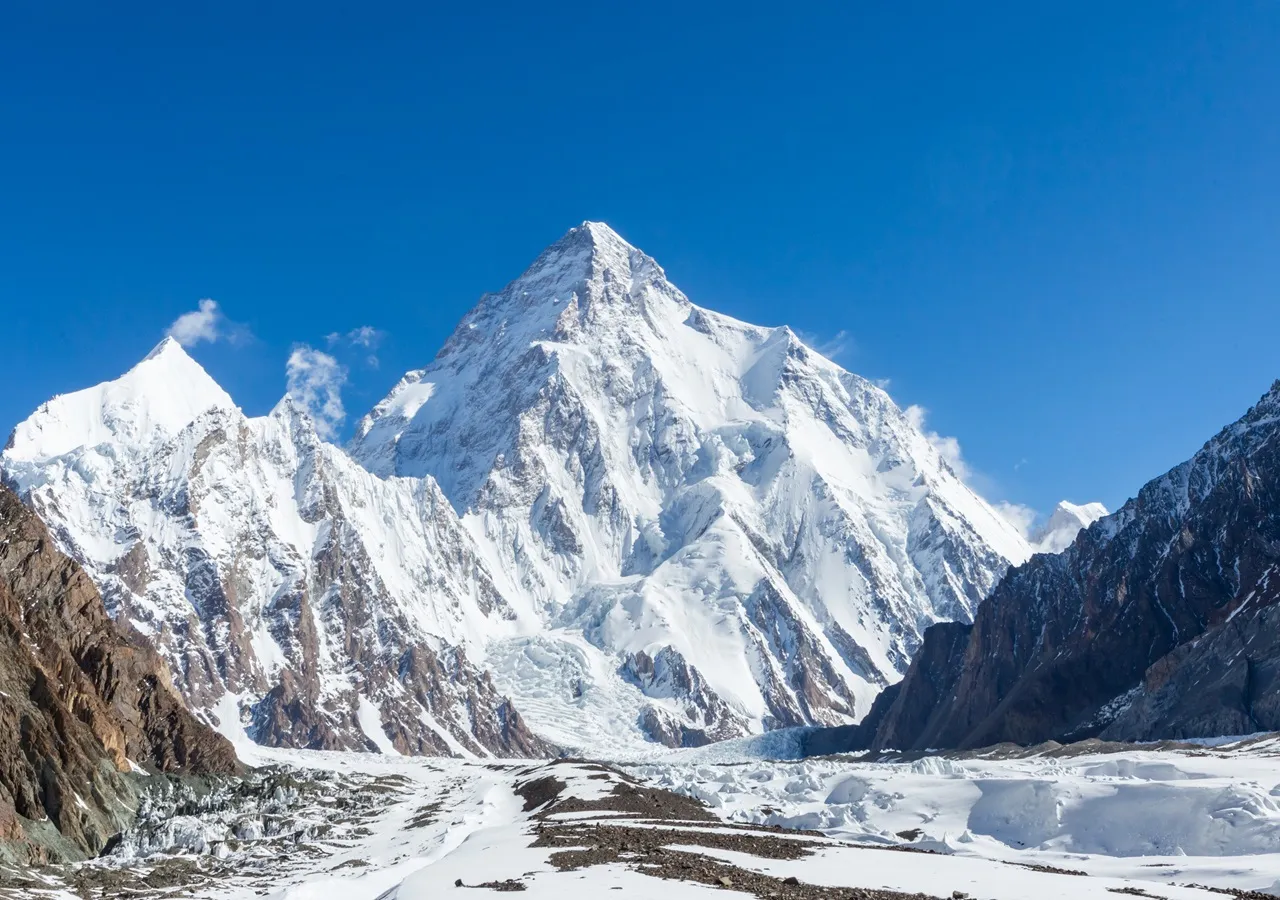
x: 601, y: 516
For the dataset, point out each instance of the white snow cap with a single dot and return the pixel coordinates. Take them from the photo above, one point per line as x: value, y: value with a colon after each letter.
x: 1067, y: 520
x: 155, y: 399
x: 591, y: 248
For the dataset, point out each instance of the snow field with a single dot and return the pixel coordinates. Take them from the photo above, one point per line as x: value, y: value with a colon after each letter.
x: 1171, y: 817
x: 1052, y: 828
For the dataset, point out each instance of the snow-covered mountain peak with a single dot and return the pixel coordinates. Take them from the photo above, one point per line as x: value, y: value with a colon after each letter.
x: 151, y: 402
x: 643, y: 519
x: 592, y: 247
x: 1087, y: 513
x: 744, y: 532
x: 1065, y: 522
x: 590, y: 266
x: 168, y: 345
x: 294, y: 415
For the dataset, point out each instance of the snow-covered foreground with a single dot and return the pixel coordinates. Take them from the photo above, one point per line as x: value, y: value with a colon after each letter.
x: 1209, y: 816
x: 1067, y: 826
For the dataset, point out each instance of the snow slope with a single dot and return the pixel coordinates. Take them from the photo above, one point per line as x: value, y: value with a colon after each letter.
x: 721, y: 531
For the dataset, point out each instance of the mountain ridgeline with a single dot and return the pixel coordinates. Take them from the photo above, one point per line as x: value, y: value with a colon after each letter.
x: 1161, y: 621
x: 602, y: 516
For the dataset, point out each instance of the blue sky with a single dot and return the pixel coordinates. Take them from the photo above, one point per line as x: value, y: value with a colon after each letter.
x: 1056, y: 228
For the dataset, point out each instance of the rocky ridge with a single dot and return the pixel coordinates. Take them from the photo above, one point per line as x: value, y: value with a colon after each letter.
x: 1158, y: 622
x: 84, y: 702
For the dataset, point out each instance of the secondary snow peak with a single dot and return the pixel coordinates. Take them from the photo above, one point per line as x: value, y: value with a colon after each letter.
x: 154, y: 400
x: 1062, y: 526
x: 282, y: 582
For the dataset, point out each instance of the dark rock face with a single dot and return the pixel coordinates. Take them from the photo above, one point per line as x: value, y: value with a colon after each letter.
x: 667, y: 675
x: 81, y: 700
x: 1226, y: 682
x: 1161, y: 621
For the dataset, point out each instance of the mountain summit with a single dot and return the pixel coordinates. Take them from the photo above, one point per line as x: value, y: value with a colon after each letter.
x: 149, y: 403
x: 716, y: 529
x: 1065, y: 522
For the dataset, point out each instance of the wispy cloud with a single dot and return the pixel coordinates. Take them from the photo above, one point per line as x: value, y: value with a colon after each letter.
x: 207, y: 323
x: 1022, y: 518
x: 366, y: 337
x: 833, y: 347
x: 1019, y: 516
x: 948, y: 447
x: 315, y: 381
x: 202, y: 324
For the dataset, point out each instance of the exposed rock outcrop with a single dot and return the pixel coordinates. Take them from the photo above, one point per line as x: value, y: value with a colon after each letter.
x: 82, y: 701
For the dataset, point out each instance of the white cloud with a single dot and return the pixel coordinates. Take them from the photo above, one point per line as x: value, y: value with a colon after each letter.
x: 203, y: 324
x: 948, y: 447
x: 836, y: 347
x: 366, y: 337
x: 832, y: 348
x: 1019, y: 516
x: 315, y: 381
x: 1022, y: 518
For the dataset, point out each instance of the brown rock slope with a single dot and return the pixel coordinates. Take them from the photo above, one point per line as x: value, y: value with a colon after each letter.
x: 81, y: 701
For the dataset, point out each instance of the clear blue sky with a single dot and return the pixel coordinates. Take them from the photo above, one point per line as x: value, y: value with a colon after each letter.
x: 1055, y: 226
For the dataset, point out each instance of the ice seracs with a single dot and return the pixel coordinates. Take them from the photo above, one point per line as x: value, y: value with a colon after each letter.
x: 720, y: 530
